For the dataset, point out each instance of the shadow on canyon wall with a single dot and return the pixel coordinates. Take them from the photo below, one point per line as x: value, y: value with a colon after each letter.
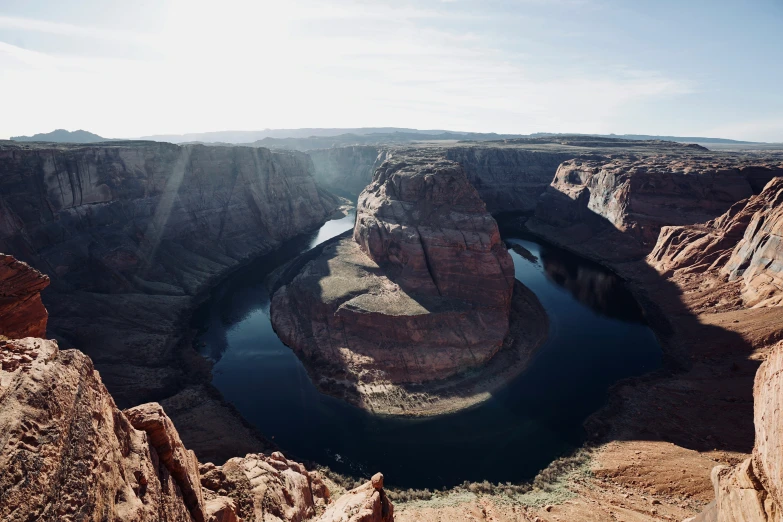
x: 702, y: 398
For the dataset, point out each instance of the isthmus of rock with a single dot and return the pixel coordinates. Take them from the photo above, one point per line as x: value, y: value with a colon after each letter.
x: 394, y: 316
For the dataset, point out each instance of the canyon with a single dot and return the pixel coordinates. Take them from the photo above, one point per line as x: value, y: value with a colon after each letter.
x: 130, y: 237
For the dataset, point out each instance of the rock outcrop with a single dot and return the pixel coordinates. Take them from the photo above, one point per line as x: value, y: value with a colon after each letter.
x: 744, y: 244
x: 421, y: 292
x: 625, y: 201
x: 265, y: 488
x: 22, y: 313
x: 68, y: 453
x: 753, y: 490
x: 367, y: 503
x: 132, y: 234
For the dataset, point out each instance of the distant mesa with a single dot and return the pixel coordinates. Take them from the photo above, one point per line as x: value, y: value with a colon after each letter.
x: 63, y: 136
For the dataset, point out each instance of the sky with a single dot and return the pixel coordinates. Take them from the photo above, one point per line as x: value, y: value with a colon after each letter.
x: 126, y: 69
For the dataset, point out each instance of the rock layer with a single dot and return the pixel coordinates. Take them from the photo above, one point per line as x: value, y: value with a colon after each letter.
x: 624, y: 201
x: 744, y: 244
x: 753, y: 490
x: 22, y: 314
x: 68, y: 453
x: 421, y: 292
x: 132, y: 233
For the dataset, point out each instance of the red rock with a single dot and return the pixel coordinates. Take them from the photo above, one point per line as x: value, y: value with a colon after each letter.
x: 68, y: 453
x: 421, y: 292
x: 367, y: 503
x: 179, y: 461
x: 22, y: 314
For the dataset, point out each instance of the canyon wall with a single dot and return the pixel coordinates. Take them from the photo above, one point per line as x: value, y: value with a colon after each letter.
x: 752, y: 491
x: 131, y: 233
x: 614, y: 208
x: 743, y: 245
x: 347, y: 170
x: 508, y: 179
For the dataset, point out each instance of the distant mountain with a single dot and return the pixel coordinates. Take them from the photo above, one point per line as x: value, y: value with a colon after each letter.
x: 310, y: 137
x: 647, y: 137
x: 310, y: 133
x: 63, y: 136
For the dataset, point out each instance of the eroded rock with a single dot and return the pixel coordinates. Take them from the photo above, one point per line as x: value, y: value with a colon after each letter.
x: 68, y: 453
x: 22, y: 314
x: 624, y: 201
x: 421, y: 292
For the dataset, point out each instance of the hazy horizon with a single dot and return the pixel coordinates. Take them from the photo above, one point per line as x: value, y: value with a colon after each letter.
x: 693, y: 68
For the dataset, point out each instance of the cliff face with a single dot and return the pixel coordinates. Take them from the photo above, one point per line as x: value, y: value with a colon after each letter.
x: 744, y: 245
x: 347, y: 169
x: 430, y: 232
x: 22, y: 314
x: 130, y: 233
x: 758, y: 258
x: 508, y: 179
x: 421, y: 292
x: 753, y: 490
x: 625, y: 201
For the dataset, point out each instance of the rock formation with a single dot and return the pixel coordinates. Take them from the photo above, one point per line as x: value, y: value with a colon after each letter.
x: 626, y: 200
x: 68, y: 453
x: 22, y: 314
x: 508, y: 179
x: 367, y: 503
x: 743, y: 244
x: 753, y: 490
x: 421, y: 291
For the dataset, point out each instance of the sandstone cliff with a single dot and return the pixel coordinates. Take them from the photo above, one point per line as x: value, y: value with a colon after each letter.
x: 22, y: 314
x: 753, y: 490
x: 68, y: 453
x: 508, y: 179
x: 420, y: 293
x: 624, y: 201
x: 744, y: 245
x: 132, y: 234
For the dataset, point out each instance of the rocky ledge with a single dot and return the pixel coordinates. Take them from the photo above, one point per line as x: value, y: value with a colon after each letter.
x: 67, y: 452
x: 624, y: 201
x: 420, y: 293
x: 744, y: 245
